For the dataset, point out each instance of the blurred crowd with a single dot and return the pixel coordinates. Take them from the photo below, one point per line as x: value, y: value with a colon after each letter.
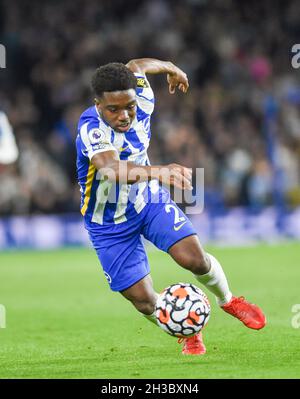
x: 240, y: 120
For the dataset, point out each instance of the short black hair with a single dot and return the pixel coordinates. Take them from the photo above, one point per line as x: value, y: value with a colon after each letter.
x: 114, y: 76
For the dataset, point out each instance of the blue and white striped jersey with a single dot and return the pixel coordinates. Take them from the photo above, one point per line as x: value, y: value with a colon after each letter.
x: 101, y: 201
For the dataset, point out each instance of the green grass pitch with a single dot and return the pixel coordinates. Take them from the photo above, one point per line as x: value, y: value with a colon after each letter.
x: 62, y: 320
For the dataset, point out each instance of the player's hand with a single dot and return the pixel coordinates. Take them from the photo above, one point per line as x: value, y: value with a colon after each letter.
x: 177, y: 78
x: 177, y: 176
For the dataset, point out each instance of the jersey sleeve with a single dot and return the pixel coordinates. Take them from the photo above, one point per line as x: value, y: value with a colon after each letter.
x: 94, y: 139
x: 145, y: 95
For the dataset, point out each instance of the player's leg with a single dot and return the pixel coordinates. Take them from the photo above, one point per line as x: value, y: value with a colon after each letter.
x: 189, y: 254
x: 126, y: 267
x: 143, y: 297
x: 171, y: 231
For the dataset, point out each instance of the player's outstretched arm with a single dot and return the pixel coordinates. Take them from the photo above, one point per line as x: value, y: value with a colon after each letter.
x: 175, y: 76
x: 119, y: 171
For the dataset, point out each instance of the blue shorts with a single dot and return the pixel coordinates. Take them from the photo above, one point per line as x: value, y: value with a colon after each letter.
x: 120, y: 248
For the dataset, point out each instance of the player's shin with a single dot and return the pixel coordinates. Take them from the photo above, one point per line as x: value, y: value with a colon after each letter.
x: 215, y: 281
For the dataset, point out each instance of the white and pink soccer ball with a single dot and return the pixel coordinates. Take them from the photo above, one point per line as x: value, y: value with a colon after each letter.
x: 182, y: 310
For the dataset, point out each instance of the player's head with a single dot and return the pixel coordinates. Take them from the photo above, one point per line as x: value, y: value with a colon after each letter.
x: 115, y: 98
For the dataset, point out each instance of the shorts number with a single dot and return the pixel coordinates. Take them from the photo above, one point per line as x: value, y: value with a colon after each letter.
x: 177, y: 218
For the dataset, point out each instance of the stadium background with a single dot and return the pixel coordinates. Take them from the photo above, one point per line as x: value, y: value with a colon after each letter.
x: 240, y: 121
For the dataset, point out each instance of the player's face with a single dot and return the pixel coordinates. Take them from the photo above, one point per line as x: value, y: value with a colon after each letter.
x: 118, y: 109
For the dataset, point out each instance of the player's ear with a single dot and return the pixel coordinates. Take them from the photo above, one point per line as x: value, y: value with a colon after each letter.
x: 96, y: 100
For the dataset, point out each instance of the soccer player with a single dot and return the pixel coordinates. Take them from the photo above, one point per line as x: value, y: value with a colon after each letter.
x: 122, y: 199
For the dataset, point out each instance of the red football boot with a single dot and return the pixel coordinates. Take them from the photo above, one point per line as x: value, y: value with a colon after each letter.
x: 193, y: 345
x: 249, y: 314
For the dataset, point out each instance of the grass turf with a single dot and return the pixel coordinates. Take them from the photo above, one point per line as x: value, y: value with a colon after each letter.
x: 64, y: 322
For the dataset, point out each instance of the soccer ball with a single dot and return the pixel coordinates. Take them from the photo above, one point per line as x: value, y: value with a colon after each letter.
x: 182, y: 310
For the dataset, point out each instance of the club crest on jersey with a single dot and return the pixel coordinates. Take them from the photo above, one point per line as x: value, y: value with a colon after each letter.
x: 96, y: 135
x: 141, y: 82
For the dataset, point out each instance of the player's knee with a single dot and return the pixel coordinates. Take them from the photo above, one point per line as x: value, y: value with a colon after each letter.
x: 198, y: 263
x: 142, y: 296
x: 146, y: 307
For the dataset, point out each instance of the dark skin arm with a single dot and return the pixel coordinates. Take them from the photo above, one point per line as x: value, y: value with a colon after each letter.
x: 175, y: 76
x: 116, y: 170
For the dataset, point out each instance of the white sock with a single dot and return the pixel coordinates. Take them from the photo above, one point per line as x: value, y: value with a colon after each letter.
x: 215, y: 281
